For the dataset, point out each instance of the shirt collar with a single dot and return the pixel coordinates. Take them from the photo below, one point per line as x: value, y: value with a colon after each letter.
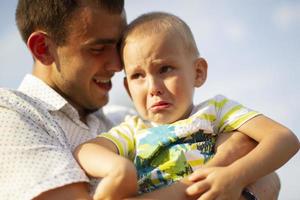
x: 36, y: 88
x: 52, y: 101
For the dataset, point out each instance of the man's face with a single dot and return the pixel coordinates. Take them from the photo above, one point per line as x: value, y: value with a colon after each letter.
x: 160, y: 76
x: 85, y: 64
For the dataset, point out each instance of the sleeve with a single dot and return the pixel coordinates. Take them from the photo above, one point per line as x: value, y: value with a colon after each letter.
x: 32, y: 161
x: 123, y: 137
x: 230, y: 115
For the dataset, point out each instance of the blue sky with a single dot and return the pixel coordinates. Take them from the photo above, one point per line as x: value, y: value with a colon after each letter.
x: 252, y: 48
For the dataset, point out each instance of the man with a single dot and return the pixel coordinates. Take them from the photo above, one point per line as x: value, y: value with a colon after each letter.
x: 74, y: 45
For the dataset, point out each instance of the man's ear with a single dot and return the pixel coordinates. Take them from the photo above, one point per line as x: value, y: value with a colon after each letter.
x: 126, y: 86
x: 201, y: 71
x: 38, y: 43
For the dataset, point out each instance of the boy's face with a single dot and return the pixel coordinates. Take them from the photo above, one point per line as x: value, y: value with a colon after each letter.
x: 161, y: 76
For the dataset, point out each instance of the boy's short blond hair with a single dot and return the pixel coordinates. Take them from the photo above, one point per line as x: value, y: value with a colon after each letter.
x: 156, y: 22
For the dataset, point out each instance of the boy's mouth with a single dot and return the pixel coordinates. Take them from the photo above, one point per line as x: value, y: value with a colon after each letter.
x: 161, y: 105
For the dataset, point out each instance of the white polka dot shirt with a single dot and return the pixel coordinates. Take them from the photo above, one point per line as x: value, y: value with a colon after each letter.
x: 38, y: 132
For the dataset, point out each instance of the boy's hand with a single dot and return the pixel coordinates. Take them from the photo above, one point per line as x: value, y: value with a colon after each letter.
x: 215, y: 183
x: 120, y: 183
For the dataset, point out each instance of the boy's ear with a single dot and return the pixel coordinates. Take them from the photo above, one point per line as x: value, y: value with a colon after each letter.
x: 38, y: 43
x: 201, y: 71
x: 126, y: 86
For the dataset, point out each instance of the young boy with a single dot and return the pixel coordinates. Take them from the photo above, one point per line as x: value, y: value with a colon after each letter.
x: 172, y: 138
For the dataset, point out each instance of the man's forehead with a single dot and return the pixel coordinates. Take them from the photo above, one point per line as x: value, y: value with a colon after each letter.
x: 97, y: 25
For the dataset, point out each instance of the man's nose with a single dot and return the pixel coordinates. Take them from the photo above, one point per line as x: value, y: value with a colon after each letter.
x: 114, y: 64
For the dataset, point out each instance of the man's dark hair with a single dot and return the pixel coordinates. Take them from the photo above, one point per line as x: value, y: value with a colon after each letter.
x: 53, y: 16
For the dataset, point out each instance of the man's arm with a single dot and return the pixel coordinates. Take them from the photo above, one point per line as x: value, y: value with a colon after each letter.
x: 68, y: 192
x: 33, y: 159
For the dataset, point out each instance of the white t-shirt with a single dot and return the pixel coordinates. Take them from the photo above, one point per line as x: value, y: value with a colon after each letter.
x: 38, y: 132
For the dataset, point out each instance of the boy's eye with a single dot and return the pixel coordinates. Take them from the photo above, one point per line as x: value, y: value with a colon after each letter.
x: 136, y: 76
x: 165, y: 69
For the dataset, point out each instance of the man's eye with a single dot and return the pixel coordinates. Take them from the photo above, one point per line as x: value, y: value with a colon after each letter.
x: 165, y: 69
x: 97, y: 50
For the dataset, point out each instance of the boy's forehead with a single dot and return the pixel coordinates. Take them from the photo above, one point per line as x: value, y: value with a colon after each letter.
x: 169, y: 36
x: 153, y: 50
x: 159, y: 44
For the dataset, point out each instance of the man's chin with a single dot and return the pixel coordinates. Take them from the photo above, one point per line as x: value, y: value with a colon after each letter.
x: 89, y: 111
x: 98, y: 105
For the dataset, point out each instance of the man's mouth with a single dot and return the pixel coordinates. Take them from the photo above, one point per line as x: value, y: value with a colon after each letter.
x: 103, y: 83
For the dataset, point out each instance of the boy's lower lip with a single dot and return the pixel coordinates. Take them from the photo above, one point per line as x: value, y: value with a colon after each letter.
x: 160, y: 107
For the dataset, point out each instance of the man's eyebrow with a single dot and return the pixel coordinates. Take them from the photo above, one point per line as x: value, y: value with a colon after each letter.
x: 101, y: 41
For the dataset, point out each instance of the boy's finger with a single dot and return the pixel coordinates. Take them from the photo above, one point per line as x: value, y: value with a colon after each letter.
x: 197, y: 188
x: 199, y: 174
x: 209, y: 195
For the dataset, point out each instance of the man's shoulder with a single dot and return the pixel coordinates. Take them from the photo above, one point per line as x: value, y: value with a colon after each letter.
x: 23, y: 105
x: 9, y: 98
x: 16, y: 100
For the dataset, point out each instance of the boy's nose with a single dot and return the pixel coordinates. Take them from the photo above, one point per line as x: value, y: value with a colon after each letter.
x: 155, y: 87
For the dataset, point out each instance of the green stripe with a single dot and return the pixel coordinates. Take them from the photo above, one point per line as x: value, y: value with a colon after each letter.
x: 228, y: 114
x: 217, y: 104
x: 236, y: 124
x: 116, y: 142
x: 208, y: 117
x: 131, y: 130
x: 128, y: 140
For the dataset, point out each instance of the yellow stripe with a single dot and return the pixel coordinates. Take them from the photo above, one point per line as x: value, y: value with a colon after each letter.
x: 115, y: 141
x: 208, y: 117
x: 194, y: 163
x: 236, y: 124
x: 229, y: 113
x: 128, y: 140
x: 155, y: 181
x: 217, y: 104
x: 131, y: 130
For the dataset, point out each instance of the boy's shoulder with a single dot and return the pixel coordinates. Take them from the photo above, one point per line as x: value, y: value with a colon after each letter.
x: 215, y: 101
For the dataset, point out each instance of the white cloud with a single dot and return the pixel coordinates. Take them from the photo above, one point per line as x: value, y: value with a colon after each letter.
x: 287, y: 16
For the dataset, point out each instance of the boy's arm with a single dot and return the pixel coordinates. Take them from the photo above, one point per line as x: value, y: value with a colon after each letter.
x: 92, y: 154
x: 99, y: 158
x: 276, y: 145
x: 230, y: 147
